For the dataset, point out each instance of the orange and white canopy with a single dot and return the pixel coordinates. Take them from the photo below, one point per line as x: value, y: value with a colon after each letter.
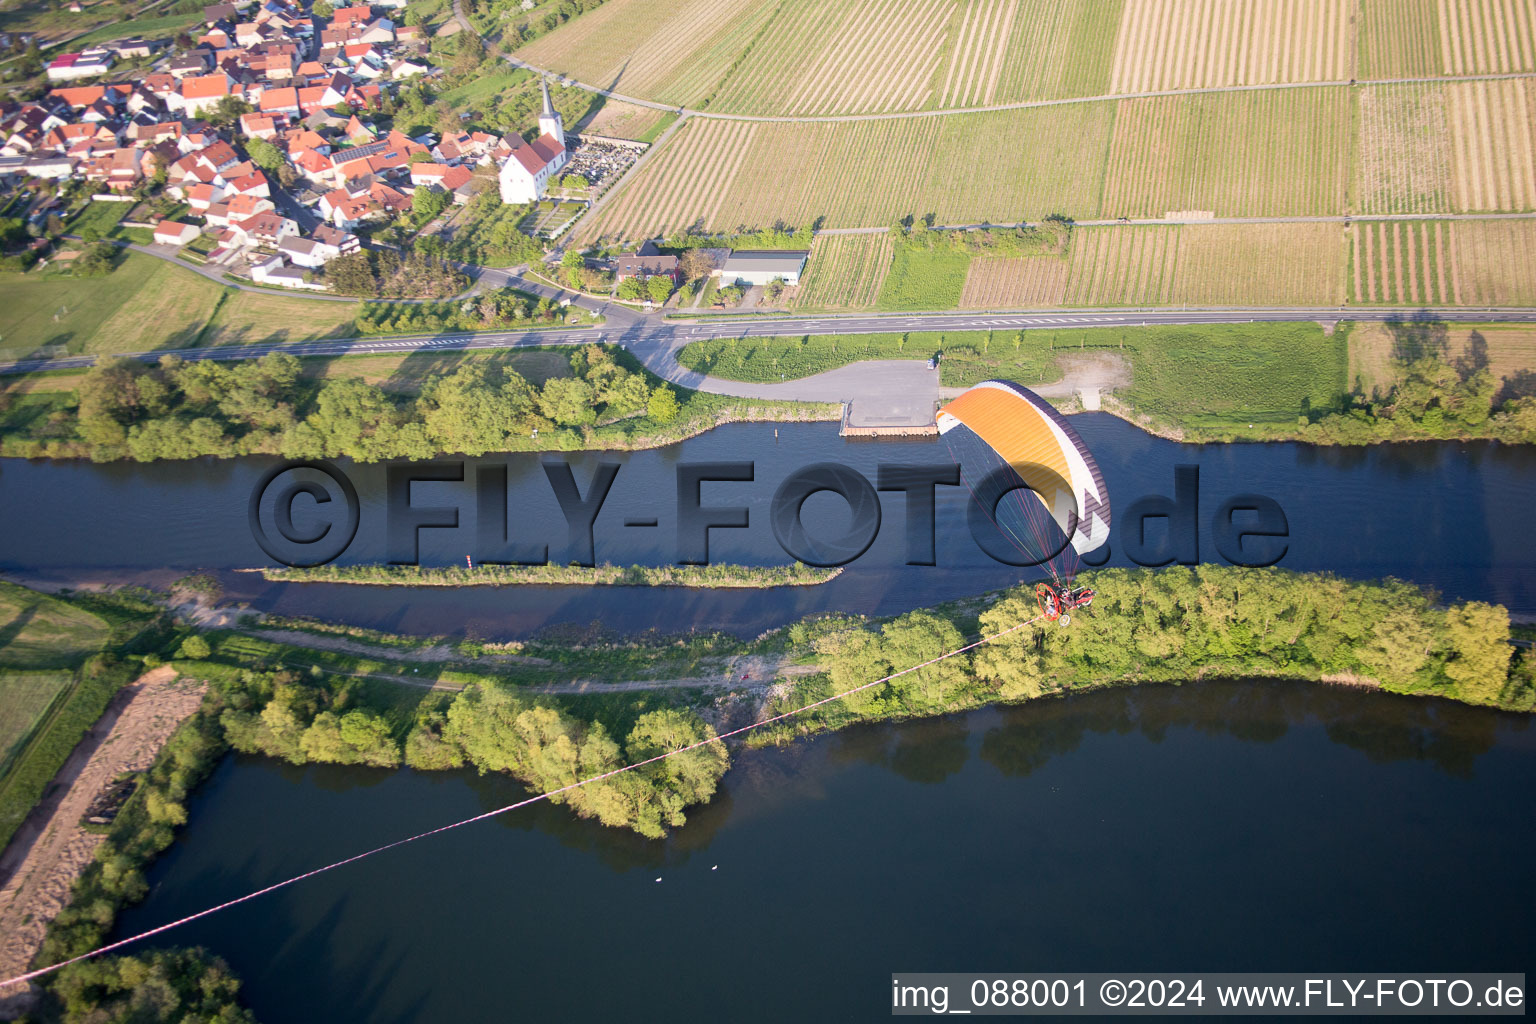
x: 1041, y: 446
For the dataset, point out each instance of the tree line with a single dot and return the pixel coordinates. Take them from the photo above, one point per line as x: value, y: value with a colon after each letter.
x: 500, y: 307
x: 1168, y: 625
x: 176, y: 409
x: 1427, y: 396
x: 1050, y: 237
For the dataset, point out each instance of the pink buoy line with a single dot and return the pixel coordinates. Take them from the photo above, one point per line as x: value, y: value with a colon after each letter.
x: 719, y: 738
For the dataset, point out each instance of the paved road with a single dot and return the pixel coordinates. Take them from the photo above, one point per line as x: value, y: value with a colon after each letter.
x: 655, y: 342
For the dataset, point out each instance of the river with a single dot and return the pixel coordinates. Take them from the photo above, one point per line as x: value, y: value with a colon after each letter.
x: 1218, y: 826
x: 1454, y: 516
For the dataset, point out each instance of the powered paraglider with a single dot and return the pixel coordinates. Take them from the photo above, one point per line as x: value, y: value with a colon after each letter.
x: 1033, y: 480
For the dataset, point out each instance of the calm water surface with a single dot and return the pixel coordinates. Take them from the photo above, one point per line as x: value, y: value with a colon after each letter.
x: 1453, y: 516
x: 1222, y: 826
x: 1219, y: 826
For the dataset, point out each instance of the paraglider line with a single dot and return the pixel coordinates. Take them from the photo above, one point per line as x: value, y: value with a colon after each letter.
x: 719, y: 738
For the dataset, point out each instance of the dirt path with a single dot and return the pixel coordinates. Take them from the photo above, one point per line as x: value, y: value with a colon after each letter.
x: 1085, y: 375
x: 58, y: 849
x: 745, y: 672
x: 435, y: 654
x: 741, y: 672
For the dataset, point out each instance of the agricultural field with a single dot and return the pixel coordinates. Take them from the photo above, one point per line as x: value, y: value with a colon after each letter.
x: 1402, y: 263
x: 1207, y: 264
x: 24, y: 698
x: 148, y: 304
x: 41, y: 632
x: 922, y: 278
x: 844, y: 272
x: 837, y: 56
x: 1507, y: 350
x: 1259, y: 264
x: 720, y: 175
x: 1008, y: 51
x: 1122, y: 266
x: 169, y: 312
x: 1198, y: 44
x: 1265, y: 153
x: 1493, y: 262
x: 1493, y: 144
x: 818, y: 57
x: 1014, y: 282
x: 978, y: 53
x: 144, y: 304
x: 1399, y: 39
x: 1479, y: 36
x: 673, y: 51
x: 1404, y: 157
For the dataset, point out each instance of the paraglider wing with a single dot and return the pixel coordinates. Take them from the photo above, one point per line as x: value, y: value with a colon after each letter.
x: 1002, y: 430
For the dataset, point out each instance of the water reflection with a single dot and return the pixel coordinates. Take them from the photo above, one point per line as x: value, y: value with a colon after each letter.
x: 1383, y: 727
x: 1140, y: 829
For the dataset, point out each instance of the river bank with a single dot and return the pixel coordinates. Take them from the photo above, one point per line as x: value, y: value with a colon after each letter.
x: 414, y: 405
x: 1342, y: 383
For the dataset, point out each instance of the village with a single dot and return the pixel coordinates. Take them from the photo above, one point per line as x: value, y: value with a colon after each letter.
x: 260, y: 149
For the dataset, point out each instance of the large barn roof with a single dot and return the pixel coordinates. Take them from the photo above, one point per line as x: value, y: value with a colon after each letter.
x: 774, y: 260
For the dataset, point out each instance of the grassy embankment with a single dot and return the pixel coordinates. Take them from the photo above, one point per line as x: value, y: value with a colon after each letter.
x: 58, y: 670
x: 706, y: 577
x: 1216, y: 382
x: 1202, y: 376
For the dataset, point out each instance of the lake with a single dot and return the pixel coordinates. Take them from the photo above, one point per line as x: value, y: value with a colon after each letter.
x: 1454, y: 516
x: 1215, y: 826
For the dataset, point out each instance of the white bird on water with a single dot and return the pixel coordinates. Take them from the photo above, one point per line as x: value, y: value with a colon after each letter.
x: 658, y: 879
x: 715, y: 868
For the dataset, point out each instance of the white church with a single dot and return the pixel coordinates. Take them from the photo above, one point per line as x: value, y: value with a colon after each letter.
x: 527, y: 171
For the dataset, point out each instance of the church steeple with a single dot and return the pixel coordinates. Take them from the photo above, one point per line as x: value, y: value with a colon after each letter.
x: 549, y: 118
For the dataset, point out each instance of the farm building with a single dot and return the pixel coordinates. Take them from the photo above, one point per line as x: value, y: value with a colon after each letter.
x: 271, y: 271
x: 527, y: 171
x: 646, y: 261
x: 753, y: 266
x: 174, y: 232
x: 95, y: 61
